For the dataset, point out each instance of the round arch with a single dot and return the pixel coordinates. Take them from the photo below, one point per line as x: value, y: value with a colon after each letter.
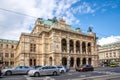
x: 83, y: 47
x: 78, y: 62
x: 71, y: 61
x: 64, y: 61
x: 64, y: 45
x: 50, y: 61
x: 89, y: 61
x: 84, y: 61
x: 71, y: 45
x: 89, y: 47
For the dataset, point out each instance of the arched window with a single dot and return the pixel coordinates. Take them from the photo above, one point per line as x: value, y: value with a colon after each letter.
x: 89, y: 61
x: 78, y: 62
x: 30, y: 62
x: 71, y: 61
x: 89, y: 48
x: 84, y: 61
x: 64, y: 45
x: 64, y: 61
x: 77, y: 47
x: 50, y: 60
x: 83, y: 47
x: 71, y: 45
x: 34, y: 62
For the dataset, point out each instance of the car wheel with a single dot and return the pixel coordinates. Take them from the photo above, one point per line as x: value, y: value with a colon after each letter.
x: 36, y: 74
x: 8, y: 73
x: 55, y: 73
x: 62, y: 71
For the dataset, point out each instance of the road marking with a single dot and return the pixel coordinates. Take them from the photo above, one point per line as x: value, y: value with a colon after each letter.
x: 43, y: 78
x: 105, y: 72
x: 48, y: 78
x: 28, y: 78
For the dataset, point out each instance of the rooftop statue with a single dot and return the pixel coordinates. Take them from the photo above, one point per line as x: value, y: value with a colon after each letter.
x: 90, y: 29
x: 54, y: 19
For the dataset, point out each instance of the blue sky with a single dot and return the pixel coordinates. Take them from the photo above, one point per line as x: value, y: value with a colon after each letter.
x: 103, y: 15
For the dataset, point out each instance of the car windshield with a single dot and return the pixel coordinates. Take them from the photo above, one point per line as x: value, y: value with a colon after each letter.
x: 59, y: 66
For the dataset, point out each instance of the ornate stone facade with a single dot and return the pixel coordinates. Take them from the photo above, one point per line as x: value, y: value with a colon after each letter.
x: 109, y: 53
x: 53, y: 42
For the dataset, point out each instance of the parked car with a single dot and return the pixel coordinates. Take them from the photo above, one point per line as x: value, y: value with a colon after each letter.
x: 44, y: 70
x: 62, y: 69
x: 16, y: 70
x: 85, y: 68
x: 35, y: 67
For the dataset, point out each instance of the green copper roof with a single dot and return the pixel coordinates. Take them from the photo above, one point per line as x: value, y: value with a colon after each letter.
x: 48, y: 22
x: 112, y: 44
x: 9, y: 41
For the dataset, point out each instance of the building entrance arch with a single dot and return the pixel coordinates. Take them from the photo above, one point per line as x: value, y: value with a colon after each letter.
x: 89, y: 61
x: 50, y: 60
x: 71, y: 62
x: 84, y: 61
x: 78, y: 62
x: 64, y: 61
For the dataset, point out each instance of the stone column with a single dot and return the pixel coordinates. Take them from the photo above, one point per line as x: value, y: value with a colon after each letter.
x: 86, y: 47
x: 92, y: 48
x: 54, y: 60
x: 68, y: 47
x: 53, y: 42
x: 81, y: 61
x: 86, y: 60
x: 74, y: 46
x: 68, y: 52
x: 43, y: 50
x: 75, y: 62
x: 80, y: 47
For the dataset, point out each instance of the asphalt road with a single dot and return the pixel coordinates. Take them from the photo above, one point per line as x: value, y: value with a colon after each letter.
x: 105, y: 73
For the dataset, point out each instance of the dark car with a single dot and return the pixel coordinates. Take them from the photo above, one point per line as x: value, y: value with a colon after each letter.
x: 85, y: 68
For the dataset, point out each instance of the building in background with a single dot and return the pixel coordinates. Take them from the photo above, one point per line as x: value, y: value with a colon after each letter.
x: 109, y: 53
x: 7, y: 52
x: 53, y: 42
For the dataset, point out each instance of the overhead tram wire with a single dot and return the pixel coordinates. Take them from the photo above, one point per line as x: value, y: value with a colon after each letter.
x: 17, y: 12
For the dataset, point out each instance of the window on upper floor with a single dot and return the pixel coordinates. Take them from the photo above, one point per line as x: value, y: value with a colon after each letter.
x: 1, y: 54
x: 12, y: 63
x: 106, y: 54
x: 114, y: 54
x: 12, y: 55
x: 6, y: 45
x: 6, y: 55
x: 6, y: 63
x: 110, y: 54
x: 1, y: 45
x: 12, y: 46
x: 32, y: 47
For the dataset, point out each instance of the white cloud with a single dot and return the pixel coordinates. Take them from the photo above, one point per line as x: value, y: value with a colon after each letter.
x: 84, y: 8
x: 109, y: 40
x: 11, y: 24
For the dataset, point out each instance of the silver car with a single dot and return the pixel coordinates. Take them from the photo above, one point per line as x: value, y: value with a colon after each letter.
x: 44, y: 70
x: 16, y: 70
x: 61, y: 69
